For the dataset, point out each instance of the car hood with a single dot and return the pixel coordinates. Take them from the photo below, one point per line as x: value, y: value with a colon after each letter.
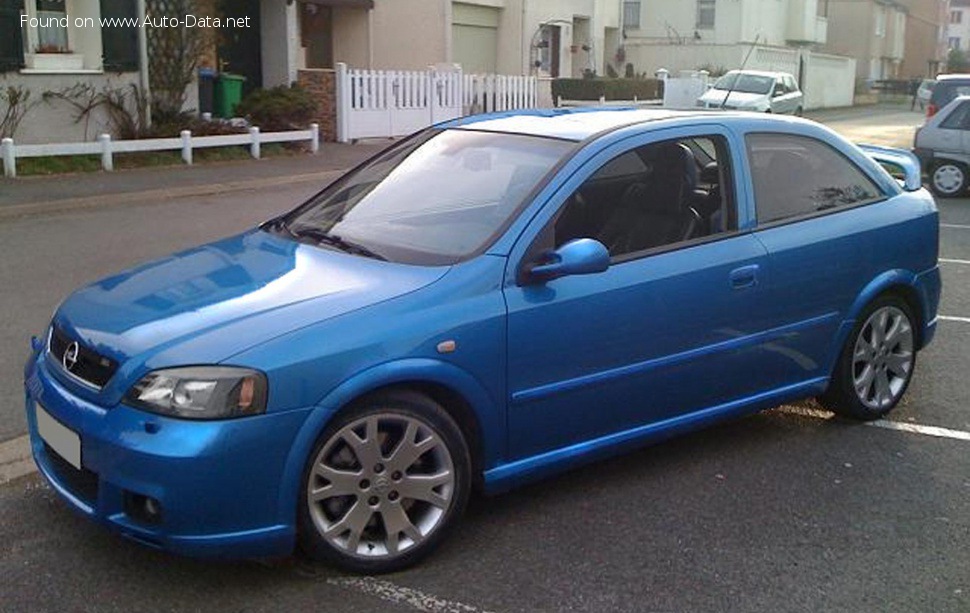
x: 209, y: 303
x: 739, y: 99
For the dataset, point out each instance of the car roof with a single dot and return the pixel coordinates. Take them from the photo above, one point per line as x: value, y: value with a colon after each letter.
x: 761, y: 73
x: 578, y: 124
x: 953, y: 77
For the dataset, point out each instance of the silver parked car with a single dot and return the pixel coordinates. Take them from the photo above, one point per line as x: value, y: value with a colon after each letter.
x: 755, y: 90
x: 942, y: 145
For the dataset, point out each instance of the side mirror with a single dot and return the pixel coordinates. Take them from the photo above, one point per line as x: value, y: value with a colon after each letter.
x: 583, y: 256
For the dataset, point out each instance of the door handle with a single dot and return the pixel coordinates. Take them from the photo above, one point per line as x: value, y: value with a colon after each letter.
x: 746, y: 276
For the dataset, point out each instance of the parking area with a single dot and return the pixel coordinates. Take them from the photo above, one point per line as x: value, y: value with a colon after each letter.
x: 788, y: 510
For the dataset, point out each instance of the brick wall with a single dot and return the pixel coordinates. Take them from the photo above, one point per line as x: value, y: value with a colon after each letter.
x: 323, y: 85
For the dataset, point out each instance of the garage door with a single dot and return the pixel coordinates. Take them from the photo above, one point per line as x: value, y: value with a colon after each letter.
x: 474, y: 37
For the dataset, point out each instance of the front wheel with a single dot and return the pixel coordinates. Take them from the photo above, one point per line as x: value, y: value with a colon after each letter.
x: 948, y: 179
x: 877, y: 362
x: 383, y: 484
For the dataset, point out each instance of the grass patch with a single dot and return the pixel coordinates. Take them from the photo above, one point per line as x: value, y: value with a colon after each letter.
x: 92, y: 163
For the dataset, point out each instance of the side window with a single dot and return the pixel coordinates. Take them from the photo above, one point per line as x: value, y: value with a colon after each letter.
x: 656, y: 195
x: 797, y: 175
x: 959, y: 119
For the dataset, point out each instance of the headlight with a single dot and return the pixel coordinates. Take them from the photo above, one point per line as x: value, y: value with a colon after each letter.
x: 201, y: 392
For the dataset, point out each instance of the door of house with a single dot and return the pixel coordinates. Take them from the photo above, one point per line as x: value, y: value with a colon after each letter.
x: 240, y: 49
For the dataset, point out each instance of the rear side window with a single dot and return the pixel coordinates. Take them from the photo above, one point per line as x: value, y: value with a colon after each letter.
x: 796, y: 176
x: 959, y: 119
x: 944, y: 92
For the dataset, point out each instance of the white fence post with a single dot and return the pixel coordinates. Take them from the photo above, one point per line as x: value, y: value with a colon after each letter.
x: 343, y: 103
x: 254, y: 149
x: 187, y: 147
x: 314, y: 137
x: 9, y: 158
x: 107, y: 160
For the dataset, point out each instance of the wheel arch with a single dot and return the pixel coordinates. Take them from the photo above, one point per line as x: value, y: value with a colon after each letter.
x: 899, y: 282
x: 467, y: 401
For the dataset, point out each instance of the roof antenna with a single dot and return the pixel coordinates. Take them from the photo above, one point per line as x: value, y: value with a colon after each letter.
x: 743, y: 64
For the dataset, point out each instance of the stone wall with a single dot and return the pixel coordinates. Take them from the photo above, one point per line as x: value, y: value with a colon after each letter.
x: 322, y: 84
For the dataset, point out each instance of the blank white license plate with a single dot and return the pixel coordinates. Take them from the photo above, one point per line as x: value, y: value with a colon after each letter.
x: 60, y: 438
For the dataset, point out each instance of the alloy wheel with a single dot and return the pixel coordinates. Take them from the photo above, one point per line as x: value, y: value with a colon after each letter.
x: 380, y: 486
x: 883, y: 358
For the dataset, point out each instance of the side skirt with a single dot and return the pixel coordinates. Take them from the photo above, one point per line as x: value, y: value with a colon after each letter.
x: 512, y: 474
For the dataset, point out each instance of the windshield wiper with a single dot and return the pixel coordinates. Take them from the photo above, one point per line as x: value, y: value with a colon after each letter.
x: 332, y: 240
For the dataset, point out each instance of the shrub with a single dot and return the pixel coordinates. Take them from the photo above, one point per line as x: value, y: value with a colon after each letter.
x: 611, y: 89
x: 279, y: 108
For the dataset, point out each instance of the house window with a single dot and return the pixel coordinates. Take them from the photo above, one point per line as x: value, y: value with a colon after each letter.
x: 52, y: 26
x: 956, y: 16
x: 954, y: 42
x: 11, y: 44
x: 631, y: 14
x: 705, y: 14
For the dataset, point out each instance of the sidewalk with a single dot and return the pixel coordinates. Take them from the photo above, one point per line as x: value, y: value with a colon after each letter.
x: 29, y: 195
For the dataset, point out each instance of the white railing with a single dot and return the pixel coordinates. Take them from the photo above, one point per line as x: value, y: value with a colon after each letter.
x: 388, y: 103
x: 106, y: 147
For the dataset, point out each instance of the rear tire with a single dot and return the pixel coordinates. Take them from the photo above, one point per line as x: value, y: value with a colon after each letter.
x: 385, y: 483
x: 877, y: 362
x: 948, y: 179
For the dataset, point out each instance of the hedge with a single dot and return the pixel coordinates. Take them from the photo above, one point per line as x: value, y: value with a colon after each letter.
x: 611, y: 89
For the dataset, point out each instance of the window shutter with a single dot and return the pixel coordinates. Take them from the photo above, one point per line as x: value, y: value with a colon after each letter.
x: 119, y: 44
x: 11, y: 41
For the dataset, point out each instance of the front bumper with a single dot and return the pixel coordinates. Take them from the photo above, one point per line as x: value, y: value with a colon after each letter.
x: 218, y: 483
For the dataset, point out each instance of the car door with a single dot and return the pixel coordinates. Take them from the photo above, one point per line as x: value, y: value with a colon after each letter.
x: 809, y: 199
x: 664, y: 332
x: 784, y: 97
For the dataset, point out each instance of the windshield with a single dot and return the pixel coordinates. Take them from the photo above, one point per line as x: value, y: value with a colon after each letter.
x: 435, y: 199
x: 745, y: 83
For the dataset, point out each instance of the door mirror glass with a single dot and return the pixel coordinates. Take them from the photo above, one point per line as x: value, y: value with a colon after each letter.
x: 583, y: 256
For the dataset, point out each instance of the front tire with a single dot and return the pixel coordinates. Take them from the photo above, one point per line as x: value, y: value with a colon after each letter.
x: 877, y: 362
x: 384, y: 484
x: 948, y: 179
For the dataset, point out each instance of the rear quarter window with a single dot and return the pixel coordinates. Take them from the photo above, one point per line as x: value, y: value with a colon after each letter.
x: 795, y: 176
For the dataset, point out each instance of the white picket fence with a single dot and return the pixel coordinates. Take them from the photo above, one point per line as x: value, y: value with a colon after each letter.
x: 494, y: 92
x: 106, y: 147
x: 388, y: 103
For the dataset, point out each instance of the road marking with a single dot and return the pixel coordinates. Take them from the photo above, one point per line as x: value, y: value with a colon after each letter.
x: 955, y: 225
x: 885, y: 424
x: 950, y: 261
x: 396, y: 594
x: 965, y: 320
x: 918, y: 429
x: 15, y: 460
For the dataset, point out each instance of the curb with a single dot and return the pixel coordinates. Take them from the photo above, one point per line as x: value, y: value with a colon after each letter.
x: 16, y: 211
x: 15, y: 459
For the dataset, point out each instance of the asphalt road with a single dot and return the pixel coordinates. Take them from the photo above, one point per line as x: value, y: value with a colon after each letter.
x: 776, y: 512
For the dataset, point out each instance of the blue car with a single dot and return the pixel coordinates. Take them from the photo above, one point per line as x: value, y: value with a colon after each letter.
x: 490, y: 301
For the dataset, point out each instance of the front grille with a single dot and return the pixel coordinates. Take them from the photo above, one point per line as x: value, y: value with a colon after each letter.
x: 89, y: 366
x: 82, y: 483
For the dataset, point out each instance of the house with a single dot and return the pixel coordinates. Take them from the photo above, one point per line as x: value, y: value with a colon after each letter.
x: 691, y: 34
x: 548, y: 37
x: 51, y: 49
x: 925, y: 46
x: 958, y: 28
x: 871, y: 31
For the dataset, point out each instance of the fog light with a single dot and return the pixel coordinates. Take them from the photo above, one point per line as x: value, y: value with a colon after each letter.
x: 144, y: 509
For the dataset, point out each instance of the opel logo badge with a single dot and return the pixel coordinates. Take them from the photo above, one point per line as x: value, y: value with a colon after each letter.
x: 70, y: 356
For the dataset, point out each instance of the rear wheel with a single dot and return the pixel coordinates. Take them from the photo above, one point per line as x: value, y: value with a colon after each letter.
x: 948, y: 179
x: 384, y: 484
x: 877, y: 362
